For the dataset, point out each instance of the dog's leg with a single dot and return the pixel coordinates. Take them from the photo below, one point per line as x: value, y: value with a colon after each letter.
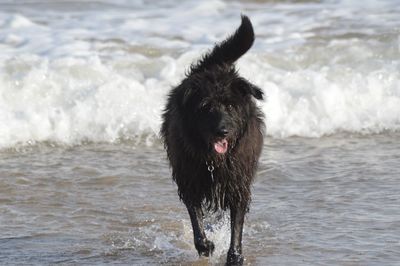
x: 204, y: 247
x: 235, y: 256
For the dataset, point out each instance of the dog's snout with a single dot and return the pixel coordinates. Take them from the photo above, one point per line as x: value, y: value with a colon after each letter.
x: 222, y: 131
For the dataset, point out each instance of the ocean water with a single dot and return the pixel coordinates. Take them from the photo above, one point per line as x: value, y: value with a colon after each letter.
x: 83, y: 175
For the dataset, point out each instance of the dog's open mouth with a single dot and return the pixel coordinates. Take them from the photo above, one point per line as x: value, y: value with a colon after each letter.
x: 221, y: 146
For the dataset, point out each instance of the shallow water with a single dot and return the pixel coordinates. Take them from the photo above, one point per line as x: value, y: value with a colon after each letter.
x: 327, y: 201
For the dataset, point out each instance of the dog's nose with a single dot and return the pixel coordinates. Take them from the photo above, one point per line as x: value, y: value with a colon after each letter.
x: 222, y: 132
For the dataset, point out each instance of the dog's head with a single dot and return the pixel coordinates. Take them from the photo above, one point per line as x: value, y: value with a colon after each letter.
x: 216, y: 105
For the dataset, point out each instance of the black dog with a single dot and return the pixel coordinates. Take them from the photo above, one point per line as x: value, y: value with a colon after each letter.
x: 213, y: 134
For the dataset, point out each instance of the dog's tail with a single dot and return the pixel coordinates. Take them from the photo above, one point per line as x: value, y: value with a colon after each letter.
x: 230, y: 50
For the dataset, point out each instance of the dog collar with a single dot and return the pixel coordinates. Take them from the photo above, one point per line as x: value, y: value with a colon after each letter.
x: 211, y: 168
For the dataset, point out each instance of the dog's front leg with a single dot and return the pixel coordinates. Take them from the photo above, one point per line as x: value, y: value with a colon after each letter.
x: 235, y: 256
x: 204, y: 247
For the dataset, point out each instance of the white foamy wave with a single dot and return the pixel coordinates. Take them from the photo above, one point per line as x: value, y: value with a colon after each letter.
x: 72, y: 100
x: 332, y: 99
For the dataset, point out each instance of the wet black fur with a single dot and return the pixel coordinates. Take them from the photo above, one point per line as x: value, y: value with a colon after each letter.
x: 211, y: 103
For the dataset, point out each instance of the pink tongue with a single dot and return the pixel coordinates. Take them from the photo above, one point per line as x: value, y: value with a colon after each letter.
x: 221, y: 146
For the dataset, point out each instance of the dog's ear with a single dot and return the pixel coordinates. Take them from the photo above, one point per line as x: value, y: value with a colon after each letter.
x: 246, y: 87
x: 256, y: 92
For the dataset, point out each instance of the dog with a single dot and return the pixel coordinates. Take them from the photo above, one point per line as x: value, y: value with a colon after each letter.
x: 213, y: 132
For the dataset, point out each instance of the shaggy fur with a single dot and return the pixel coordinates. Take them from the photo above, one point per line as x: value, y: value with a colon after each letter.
x: 211, y: 121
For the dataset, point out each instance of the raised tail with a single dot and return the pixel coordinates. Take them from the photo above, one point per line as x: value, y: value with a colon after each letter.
x: 229, y: 50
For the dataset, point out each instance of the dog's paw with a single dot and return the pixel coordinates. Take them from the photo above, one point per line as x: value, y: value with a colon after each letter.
x: 205, y: 247
x: 234, y: 258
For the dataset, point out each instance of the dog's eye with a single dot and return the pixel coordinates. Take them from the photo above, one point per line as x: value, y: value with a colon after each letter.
x: 204, y: 106
x: 230, y: 107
